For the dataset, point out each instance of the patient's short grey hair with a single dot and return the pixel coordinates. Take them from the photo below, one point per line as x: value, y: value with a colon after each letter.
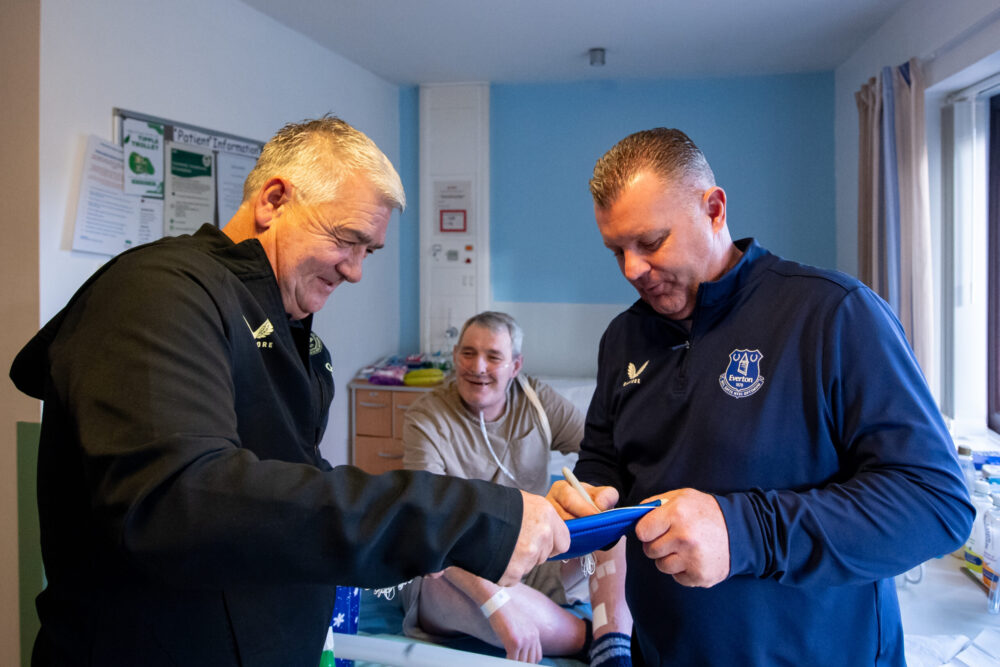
x: 666, y: 152
x: 317, y: 156
x: 496, y: 322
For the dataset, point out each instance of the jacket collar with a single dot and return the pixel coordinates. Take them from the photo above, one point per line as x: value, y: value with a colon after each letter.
x: 245, y: 259
x: 715, y: 298
x: 715, y: 293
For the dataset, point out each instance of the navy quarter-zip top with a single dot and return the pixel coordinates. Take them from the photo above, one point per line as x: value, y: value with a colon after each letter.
x: 797, y: 402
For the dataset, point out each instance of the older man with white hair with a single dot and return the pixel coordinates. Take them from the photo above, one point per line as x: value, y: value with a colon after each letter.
x: 187, y: 517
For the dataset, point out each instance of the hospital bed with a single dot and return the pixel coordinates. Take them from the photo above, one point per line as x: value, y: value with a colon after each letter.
x: 380, y: 640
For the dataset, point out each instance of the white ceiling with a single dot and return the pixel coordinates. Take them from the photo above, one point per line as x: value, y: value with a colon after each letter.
x: 439, y: 41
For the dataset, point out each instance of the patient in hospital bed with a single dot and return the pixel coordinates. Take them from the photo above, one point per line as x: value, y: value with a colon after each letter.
x: 493, y: 423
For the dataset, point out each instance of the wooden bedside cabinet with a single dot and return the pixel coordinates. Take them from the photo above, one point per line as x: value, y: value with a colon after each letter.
x: 377, y: 424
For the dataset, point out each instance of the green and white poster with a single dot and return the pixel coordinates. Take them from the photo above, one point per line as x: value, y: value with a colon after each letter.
x: 142, y: 144
x: 189, y: 195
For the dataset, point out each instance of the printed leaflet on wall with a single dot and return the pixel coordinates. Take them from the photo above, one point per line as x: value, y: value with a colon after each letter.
x: 142, y: 142
x: 189, y: 197
x: 107, y: 220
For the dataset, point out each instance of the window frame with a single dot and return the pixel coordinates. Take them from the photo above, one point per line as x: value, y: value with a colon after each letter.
x: 993, y: 270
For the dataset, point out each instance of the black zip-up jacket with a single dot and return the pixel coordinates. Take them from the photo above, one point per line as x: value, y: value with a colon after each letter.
x: 187, y: 517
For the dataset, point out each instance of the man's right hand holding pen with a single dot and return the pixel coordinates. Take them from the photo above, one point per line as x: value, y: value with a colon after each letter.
x: 573, y: 499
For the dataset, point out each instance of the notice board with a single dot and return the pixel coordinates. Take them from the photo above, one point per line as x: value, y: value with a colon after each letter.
x: 158, y: 177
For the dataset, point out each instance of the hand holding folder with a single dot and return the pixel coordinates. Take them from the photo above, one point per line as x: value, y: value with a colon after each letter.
x: 597, y: 531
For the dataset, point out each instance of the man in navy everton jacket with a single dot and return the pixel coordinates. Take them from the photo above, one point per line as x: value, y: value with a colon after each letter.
x: 778, y: 412
x: 187, y: 517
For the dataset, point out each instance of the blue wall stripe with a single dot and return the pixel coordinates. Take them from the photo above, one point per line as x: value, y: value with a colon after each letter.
x: 409, y: 220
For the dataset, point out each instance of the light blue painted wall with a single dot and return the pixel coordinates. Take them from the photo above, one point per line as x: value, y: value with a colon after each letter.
x: 409, y: 220
x: 769, y: 140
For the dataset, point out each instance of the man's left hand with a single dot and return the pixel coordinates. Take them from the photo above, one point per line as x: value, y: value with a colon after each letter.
x: 687, y: 537
x: 543, y: 535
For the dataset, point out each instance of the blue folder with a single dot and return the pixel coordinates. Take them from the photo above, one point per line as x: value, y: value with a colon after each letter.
x: 597, y: 531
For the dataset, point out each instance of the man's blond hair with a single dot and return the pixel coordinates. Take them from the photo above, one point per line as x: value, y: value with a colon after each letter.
x: 668, y: 153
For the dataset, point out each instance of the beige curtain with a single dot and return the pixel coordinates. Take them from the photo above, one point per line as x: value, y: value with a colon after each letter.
x: 916, y: 298
x: 894, y: 233
x: 869, y: 101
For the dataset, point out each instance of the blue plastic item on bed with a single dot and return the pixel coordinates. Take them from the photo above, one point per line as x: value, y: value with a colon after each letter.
x: 597, y: 531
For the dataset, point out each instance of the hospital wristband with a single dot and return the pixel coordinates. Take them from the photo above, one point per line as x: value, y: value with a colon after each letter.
x: 498, y: 600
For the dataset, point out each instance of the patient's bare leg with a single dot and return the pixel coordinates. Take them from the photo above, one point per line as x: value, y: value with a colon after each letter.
x: 612, y: 620
x: 607, y: 592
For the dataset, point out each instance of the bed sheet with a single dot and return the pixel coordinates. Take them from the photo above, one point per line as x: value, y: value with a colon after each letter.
x: 384, y: 619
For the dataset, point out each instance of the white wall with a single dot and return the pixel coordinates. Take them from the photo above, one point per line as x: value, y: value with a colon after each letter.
x: 561, y: 339
x: 221, y: 65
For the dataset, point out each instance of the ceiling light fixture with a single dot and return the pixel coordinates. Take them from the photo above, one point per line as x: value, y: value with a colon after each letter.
x: 596, y: 57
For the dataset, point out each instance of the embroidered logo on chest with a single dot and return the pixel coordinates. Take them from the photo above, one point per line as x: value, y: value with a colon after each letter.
x: 634, y: 373
x: 315, y: 344
x: 742, y: 376
x: 261, y: 333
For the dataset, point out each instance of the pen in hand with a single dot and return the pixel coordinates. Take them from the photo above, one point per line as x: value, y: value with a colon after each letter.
x: 575, y: 483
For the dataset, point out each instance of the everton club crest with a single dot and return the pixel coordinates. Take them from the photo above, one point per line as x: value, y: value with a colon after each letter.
x: 742, y: 378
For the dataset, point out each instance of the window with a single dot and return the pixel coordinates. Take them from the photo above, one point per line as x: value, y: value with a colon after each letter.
x: 993, y: 270
x: 970, y: 236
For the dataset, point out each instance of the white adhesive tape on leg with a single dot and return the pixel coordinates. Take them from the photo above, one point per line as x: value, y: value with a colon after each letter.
x: 600, y: 616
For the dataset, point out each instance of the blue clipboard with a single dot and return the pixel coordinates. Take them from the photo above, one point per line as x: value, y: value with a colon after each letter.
x: 590, y: 533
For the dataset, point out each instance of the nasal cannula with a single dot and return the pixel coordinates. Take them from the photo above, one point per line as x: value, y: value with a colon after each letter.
x: 486, y: 437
